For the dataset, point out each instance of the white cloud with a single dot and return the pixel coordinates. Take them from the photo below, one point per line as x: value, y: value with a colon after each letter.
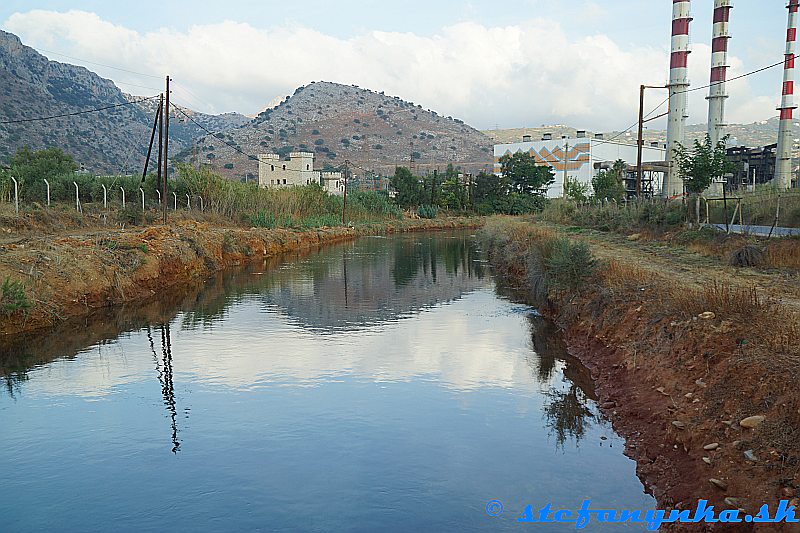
x: 527, y: 74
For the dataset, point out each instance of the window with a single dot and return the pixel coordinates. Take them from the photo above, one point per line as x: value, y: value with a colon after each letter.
x: 284, y: 168
x: 272, y: 168
x: 284, y: 182
x: 308, y: 167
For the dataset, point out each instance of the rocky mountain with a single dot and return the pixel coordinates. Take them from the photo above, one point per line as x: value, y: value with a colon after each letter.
x: 337, y: 122
x: 32, y: 86
x: 182, y: 131
x: 113, y: 140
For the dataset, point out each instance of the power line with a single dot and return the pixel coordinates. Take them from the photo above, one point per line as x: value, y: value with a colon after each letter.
x: 100, y: 64
x: 75, y: 113
x: 757, y: 71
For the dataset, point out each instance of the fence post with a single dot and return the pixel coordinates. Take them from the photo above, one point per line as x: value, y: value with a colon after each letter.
x: 202, y: 207
x: 175, y: 198
x: 188, y: 203
x: 16, y: 194
x: 142, y: 191
x: 77, y: 198
x: 123, y: 197
x: 105, y: 196
x: 159, y: 196
x: 48, y: 192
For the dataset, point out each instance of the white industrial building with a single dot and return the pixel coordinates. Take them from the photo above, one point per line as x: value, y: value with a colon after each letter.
x: 274, y: 172
x: 579, y: 158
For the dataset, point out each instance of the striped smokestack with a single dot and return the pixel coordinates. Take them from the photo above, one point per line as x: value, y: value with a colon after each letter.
x: 678, y: 99
x: 719, y: 70
x: 783, y: 163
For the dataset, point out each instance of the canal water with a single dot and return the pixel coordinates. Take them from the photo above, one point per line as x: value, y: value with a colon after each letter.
x: 382, y: 384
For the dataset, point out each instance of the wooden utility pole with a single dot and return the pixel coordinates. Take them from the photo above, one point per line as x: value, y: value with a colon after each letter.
x: 344, y: 203
x: 152, y: 138
x: 166, y: 152
x: 640, y: 143
x: 160, y: 141
x: 640, y: 138
x: 564, y: 160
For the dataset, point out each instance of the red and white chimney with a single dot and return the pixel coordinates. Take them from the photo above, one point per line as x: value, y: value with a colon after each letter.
x: 678, y: 97
x: 783, y: 163
x: 719, y: 70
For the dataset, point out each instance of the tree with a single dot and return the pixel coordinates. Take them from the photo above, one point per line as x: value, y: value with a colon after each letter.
x: 607, y: 185
x: 408, y: 188
x: 489, y: 187
x: 702, y: 165
x: 526, y: 176
x: 454, y: 192
x: 576, y: 190
x: 28, y: 165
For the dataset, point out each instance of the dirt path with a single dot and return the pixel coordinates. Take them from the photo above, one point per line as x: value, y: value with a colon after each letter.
x: 689, y: 268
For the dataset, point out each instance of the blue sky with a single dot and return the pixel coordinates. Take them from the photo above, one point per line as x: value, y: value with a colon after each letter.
x: 511, y: 64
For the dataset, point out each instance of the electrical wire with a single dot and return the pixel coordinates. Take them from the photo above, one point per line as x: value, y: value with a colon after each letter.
x: 100, y: 64
x: 75, y: 113
x: 757, y: 71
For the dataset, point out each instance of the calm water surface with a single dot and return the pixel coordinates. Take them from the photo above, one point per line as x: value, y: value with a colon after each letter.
x: 383, y: 384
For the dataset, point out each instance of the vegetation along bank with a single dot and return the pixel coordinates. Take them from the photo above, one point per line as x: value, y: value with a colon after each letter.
x: 695, y: 366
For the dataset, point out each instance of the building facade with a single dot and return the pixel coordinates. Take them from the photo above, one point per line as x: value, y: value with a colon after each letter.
x: 577, y: 158
x: 297, y: 170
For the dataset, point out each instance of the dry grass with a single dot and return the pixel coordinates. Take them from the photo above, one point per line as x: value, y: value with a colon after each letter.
x: 784, y: 253
x: 720, y: 298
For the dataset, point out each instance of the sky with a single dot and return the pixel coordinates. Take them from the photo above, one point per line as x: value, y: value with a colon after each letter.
x: 492, y: 63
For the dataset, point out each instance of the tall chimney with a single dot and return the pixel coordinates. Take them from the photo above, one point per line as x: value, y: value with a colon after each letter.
x: 783, y: 158
x: 678, y: 99
x: 719, y: 70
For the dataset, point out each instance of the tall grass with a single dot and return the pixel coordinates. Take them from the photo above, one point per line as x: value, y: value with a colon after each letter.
x: 655, y: 215
x: 759, y: 208
x: 303, y: 206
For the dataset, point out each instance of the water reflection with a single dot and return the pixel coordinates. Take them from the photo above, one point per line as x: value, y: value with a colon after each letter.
x: 374, y: 377
x: 369, y: 283
x: 165, y: 377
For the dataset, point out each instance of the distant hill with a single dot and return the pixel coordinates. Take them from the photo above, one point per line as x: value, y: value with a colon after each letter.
x: 183, y: 132
x: 342, y: 122
x: 110, y: 141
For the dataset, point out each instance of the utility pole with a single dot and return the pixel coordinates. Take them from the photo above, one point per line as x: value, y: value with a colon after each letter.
x: 160, y: 140
x: 166, y: 150
x: 344, y: 203
x: 640, y: 138
x: 564, y: 160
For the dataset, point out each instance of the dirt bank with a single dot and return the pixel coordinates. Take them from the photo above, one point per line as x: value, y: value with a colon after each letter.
x: 679, y: 362
x: 76, y: 273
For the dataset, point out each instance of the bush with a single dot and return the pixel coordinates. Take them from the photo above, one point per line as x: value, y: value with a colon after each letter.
x: 13, y: 298
x: 747, y: 256
x: 570, y: 265
x: 428, y: 211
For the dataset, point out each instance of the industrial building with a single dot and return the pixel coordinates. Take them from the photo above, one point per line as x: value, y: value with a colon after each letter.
x: 578, y: 159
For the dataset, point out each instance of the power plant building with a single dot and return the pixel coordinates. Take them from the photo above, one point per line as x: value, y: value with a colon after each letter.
x: 581, y: 158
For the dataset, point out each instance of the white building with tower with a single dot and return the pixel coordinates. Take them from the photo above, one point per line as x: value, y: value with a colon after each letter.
x: 579, y: 158
x: 298, y: 169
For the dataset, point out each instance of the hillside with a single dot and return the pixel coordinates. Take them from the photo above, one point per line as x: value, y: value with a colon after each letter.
x: 33, y: 86
x: 756, y: 134
x: 110, y: 141
x: 340, y: 122
x: 183, y: 132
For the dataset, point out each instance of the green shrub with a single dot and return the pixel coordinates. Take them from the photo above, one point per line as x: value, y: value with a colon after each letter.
x: 569, y: 265
x: 428, y: 211
x: 13, y: 298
